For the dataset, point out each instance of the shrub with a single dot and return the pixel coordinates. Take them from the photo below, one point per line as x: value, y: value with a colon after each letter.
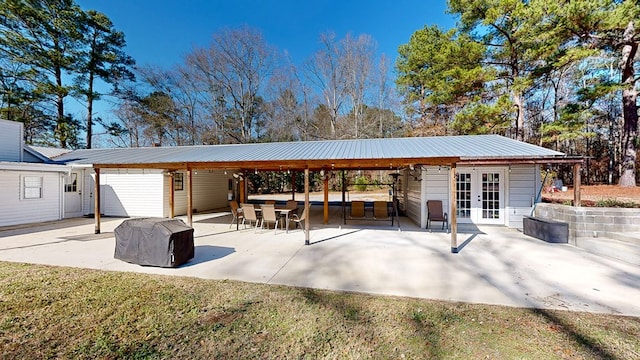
x: 361, y: 183
x: 616, y: 203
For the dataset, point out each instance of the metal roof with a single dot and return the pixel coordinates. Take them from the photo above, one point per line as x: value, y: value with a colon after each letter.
x: 48, y: 152
x: 397, y: 150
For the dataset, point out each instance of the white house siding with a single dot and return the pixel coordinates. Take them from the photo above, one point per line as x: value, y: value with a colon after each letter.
x: 10, y: 141
x: 436, y: 181
x: 15, y: 210
x: 210, y: 190
x: 126, y: 192
x: 524, y: 183
x: 413, y: 199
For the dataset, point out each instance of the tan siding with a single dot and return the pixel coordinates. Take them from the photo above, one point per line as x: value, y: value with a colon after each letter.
x: 209, y: 192
x: 414, y: 196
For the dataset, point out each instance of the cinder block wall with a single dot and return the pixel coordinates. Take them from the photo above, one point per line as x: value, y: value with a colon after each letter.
x: 591, y: 221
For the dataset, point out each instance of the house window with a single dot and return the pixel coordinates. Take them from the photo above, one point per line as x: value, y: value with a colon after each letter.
x: 178, y: 181
x: 32, y: 187
x: 71, y: 183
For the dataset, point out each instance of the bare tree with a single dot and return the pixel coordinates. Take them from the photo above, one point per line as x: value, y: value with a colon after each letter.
x: 358, y: 62
x: 232, y: 73
x: 326, y: 72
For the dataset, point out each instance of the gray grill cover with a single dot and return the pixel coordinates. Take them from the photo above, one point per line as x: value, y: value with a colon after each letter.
x: 154, y: 241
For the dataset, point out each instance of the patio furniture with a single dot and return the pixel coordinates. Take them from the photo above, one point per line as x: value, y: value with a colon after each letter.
x: 298, y: 220
x: 381, y: 211
x: 269, y: 216
x: 435, y: 213
x: 357, y: 209
x: 291, y: 204
x: 249, y: 213
x: 236, y: 211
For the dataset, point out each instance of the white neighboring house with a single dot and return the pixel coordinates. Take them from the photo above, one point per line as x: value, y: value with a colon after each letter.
x: 31, y: 190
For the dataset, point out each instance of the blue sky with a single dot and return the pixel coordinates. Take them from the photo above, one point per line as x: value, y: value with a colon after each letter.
x: 161, y: 32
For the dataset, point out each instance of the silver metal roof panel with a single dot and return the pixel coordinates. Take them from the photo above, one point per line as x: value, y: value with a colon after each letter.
x: 467, y: 147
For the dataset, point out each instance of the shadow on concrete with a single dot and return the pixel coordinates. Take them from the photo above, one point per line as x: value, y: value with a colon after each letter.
x: 81, y: 237
x: 206, y: 253
x: 466, y: 242
x: 334, y: 237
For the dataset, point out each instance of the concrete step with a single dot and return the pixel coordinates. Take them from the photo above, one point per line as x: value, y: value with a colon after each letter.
x: 623, y: 250
x: 630, y: 237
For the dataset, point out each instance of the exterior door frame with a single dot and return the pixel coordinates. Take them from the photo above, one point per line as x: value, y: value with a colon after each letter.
x: 72, y: 189
x: 481, y: 195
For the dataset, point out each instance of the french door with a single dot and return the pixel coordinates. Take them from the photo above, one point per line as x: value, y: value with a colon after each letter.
x: 480, y: 196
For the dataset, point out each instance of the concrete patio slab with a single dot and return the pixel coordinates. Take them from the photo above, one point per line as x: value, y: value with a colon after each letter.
x: 496, y: 265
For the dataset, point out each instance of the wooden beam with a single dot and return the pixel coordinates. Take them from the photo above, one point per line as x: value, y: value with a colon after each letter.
x: 96, y: 201
x: 189, y: 197
x: 453, y: 218
x: 338, y: 164
x: 278, y: 165
x: 306, y: 206
x: 576, y: 185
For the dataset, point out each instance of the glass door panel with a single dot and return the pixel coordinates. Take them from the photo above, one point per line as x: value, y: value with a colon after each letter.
x: 463, y: 195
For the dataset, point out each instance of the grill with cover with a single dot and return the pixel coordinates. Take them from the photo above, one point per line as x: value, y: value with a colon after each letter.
x: 154, y: 242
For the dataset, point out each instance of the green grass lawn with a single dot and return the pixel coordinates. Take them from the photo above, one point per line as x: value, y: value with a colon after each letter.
x: 55, y: 312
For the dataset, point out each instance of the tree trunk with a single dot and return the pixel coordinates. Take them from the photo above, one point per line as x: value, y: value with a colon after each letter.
x: 60, y: 126
x: 517, y: 99
x: 90, y: 110
x: 629, y: 109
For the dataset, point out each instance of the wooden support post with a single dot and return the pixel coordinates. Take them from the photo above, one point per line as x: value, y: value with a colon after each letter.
x: 326, y: 200
x: 306, y: 206
x: 189, y: 197
x: 293, y: 185
x: 96, y: 201
x: 172, y: 195
x: 576, y: 185
x: 241, y: 189
x: 453, y: 219
x: 344, y: 189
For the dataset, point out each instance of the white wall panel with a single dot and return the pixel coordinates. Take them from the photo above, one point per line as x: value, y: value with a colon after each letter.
x: 16, y: 210
x: 524, y: 182
x: 127, y: 192
x: 10, y: 141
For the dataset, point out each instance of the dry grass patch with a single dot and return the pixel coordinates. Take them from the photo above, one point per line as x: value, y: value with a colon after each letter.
x: 55, y: 312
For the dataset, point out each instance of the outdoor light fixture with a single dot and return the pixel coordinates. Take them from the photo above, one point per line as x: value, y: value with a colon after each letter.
x: 256, y: 171
x: 225, y: 171
x: 322, y: 172
x: 509, y: 167
x: 332, y: 166
x: 439, y: 168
